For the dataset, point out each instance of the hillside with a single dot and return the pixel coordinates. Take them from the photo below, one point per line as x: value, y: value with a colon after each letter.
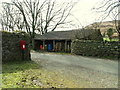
x: 104, y: 26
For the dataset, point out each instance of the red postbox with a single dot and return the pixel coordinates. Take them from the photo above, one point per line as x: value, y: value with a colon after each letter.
x: 23, y: 44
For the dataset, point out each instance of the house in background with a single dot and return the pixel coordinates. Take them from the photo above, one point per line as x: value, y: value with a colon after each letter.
x: 60, y: 41
x: 115, y: 36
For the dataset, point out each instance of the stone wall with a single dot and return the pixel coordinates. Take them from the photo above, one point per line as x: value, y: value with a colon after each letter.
x: 11, y: 46
x: 96, y: 48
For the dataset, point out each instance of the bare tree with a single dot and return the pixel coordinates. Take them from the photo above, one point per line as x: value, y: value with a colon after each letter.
x: 43, y: 16
x: 6, y: 20
x: 55, y: 15
x: 11, y: 19
x: 107, y: 8
x: 30, y: 12
x: 114, y: 16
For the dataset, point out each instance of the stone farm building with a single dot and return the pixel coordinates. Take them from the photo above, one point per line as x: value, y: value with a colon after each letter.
x: 60, y: 41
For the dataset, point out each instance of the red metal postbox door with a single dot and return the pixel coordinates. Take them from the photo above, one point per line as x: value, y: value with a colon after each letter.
x: 23, y: 44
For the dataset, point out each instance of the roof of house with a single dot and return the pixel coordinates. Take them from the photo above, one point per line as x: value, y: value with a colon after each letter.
x: 115, y: 35
x: 64, y: 35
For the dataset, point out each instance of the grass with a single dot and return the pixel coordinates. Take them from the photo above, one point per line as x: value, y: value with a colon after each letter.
x: 0, y: 81
x: 107, y: 39
x: 28, y: 74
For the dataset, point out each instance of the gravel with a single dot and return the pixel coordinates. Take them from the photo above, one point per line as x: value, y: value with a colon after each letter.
x: 88, y: 72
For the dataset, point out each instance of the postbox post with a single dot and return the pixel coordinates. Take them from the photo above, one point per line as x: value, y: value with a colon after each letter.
x: 23, y: 47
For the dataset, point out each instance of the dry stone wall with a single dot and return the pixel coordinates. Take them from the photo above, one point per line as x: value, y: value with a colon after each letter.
x: 11, y: 46
x: 96, y: 48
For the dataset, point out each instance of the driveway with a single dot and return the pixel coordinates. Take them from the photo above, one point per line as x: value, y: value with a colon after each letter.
x: 95, y: 72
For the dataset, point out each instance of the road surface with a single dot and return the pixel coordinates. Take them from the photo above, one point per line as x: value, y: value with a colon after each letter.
x: 94, y: 72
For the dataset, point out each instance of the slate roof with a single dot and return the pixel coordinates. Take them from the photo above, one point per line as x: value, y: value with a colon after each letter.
x: 64, y: 35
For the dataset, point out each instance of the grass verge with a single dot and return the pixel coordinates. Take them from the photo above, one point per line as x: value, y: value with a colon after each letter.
x: 28, y: 74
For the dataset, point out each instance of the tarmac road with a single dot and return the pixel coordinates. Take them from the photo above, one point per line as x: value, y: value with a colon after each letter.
x: 94, y: 72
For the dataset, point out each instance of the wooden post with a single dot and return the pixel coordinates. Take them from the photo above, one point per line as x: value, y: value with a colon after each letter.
x: 60, y: 46
x: 53, y: 45
x: 65, y: 45
x: 68, y: 47
x: 43, y: 44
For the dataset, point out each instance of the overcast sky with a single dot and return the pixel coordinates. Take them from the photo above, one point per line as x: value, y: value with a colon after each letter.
x: 83, y: 13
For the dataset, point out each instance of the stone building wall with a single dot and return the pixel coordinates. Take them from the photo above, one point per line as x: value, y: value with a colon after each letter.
x: 96, y: 48
x: 11, y: 46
